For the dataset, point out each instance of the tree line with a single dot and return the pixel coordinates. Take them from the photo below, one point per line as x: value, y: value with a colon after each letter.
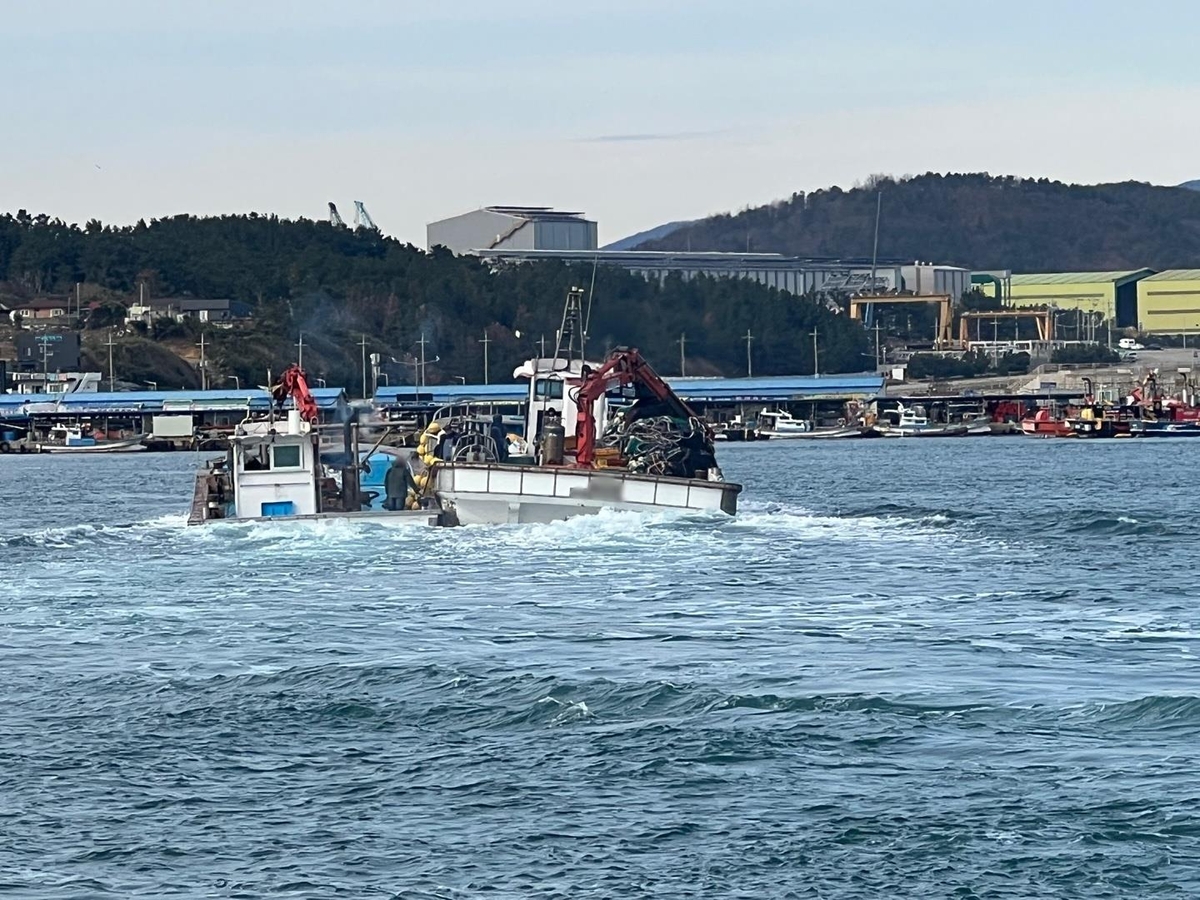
x: 354, y: 291
x: 974, y: 220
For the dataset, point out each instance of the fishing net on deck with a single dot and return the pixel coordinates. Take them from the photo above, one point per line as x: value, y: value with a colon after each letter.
x: 660, y: 444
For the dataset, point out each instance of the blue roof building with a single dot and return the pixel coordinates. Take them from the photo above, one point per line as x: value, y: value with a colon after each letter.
x: 124, y: 403
x: 770, y: 389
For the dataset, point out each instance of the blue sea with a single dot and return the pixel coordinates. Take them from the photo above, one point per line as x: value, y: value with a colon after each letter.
x: 940, y: 668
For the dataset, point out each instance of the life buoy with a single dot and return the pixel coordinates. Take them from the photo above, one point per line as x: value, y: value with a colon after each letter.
x: 5, y: 447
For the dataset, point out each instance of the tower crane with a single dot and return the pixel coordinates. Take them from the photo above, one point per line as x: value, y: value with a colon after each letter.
x: 362, y: 218
x: 335, y: 218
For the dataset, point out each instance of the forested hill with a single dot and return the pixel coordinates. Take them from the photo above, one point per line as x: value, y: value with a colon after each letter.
x: 976, y: 221
x: 334, y: 285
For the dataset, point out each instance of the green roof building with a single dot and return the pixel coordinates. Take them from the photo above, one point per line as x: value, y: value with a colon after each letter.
x: 1112, y: 294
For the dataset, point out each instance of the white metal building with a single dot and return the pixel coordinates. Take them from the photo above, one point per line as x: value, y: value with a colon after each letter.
x: 794, y: 275
x: 927, y: 278
x: 513, y: 228
x: 511, y: 234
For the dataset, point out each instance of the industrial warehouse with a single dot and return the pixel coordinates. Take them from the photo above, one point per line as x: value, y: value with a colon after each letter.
x: 1153, y: 302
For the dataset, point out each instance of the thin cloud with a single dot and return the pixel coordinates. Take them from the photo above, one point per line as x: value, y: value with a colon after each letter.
x: 648, y: 136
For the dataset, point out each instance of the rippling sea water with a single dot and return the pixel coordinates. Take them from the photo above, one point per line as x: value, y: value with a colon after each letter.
x: 960, y: 668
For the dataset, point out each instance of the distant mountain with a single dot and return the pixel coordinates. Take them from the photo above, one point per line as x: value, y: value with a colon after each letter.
x: 651, y: 234
x: 973, y: 220
x: 1191, y: 185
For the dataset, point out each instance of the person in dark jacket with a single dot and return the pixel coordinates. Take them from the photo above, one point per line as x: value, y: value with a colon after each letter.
x: 500, y: 438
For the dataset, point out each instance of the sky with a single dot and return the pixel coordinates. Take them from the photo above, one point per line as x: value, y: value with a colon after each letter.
x: 637, y: 112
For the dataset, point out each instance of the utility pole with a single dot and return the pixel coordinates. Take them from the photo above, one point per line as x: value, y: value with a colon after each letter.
x: 363, y: 345
x: 45, y: 364
x: 421, y: 377
x: 109, y: 345
x: 486, y: 340
x: 203, y: 365
x: 682, y: 342
x: 816, y: 367
x: 300, y: 355
x: 749, y: 362
x: 878, y: 361
x: 78, y: 304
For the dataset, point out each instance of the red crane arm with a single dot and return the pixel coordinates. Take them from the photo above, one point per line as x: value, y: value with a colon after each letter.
x: 623, y: 366
x: 294, y: 384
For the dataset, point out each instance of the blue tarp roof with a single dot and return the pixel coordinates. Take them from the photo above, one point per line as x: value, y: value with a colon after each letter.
x: 780, y: 388
x: 155, y: 401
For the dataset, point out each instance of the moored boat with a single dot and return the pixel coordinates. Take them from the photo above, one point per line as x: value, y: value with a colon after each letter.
x: 777, y: 424
x: 65, y: 439
x: 912, y: 421
x: 1044, y: 423
x: 1098, y: 421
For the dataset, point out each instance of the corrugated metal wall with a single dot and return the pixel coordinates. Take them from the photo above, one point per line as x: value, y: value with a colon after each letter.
x: 562, y: 235
x: 478, y: 230
x: 1169, y: 307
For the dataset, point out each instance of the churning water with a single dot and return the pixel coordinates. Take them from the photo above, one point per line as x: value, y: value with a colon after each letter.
x: 958, y: 668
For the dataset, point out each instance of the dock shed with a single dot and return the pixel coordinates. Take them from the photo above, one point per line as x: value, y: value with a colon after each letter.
x: 702, y: 392
x: 1112, y: 294
x: 1169, y: 302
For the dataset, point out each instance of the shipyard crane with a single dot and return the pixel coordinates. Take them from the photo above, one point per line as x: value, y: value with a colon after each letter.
x: 362, y: 219
x: 335, y: 218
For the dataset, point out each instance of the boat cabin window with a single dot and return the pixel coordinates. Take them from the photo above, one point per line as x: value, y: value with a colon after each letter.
x: 548, y: 389
x: 285, y: 456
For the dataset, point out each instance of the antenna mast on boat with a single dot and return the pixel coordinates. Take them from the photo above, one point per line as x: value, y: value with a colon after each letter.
x: 870, y: 310
x: 571, y: 328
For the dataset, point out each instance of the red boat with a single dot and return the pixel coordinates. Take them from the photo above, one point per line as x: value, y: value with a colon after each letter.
x: 1044, y: 423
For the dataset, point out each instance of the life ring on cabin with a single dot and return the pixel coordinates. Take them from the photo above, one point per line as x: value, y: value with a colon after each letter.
x: 5, y: 447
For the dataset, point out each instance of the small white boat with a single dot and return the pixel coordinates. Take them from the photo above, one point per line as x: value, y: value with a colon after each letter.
x: 64, y: 439
x: 913, y: 422
x: 775, y: 423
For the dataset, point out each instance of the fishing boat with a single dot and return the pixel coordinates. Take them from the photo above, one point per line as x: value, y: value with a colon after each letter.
x: 653, y: 453
x: 577, y: 456
x: 1099, y: 421
x: 912, y: 421
x: 71, y: 439
x: 775, y: 423
x: 1044, y: 423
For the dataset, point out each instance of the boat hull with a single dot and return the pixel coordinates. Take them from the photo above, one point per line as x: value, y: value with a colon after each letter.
x: 785, y: 435
x: 893, y: 431
x: 496, y: 494
x: 1045, y: 428
x: 1166, y: 429
x: 134, y: 445
x: 836, y: 434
